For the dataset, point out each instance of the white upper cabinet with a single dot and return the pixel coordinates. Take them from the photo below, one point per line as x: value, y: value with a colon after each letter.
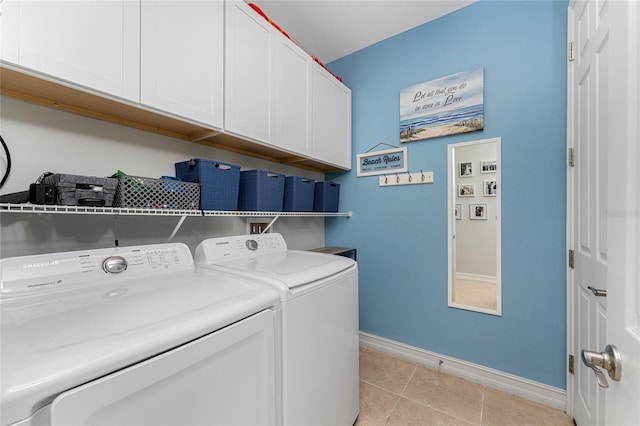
x: 330, y: 119
x: 195, y: 66
x: 95, y: 44
x: 293, y: 97
x: 249, y: 104
x: 182, y: 54
x: 276, y: 94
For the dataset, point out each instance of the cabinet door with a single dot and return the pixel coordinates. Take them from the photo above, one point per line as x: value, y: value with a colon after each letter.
x: 249, y: 105
x: 331, y: 119
x: 95, y: 44
x: 293, y: 97
x: 9, y: 31
x: 182, y: 53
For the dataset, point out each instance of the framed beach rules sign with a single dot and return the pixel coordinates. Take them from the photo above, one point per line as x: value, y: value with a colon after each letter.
x: 382, y: 162
x: 445, y: 106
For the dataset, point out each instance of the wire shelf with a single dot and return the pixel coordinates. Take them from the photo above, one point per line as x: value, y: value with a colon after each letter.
x: 130, y: 211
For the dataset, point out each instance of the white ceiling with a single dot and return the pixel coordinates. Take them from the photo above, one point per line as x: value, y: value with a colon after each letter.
x: 331, y: 29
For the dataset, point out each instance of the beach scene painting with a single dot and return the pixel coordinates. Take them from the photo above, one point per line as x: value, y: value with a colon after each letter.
x: 444, y: 106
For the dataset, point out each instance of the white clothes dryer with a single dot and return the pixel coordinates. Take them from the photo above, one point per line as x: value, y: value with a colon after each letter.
x: 320, y: 337
x: 135, y: 336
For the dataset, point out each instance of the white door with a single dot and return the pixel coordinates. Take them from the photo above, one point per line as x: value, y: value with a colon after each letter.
x: 622, y: 399
x: 589, y: 32
x: 182, y: 54
x: 293, y: 96
x: 95, y: 44
x: 249, y: 102
x: 331, y: 119
x: 599, y: 240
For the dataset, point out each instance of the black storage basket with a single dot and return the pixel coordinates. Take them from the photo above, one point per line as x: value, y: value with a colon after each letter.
x: 74, y: 190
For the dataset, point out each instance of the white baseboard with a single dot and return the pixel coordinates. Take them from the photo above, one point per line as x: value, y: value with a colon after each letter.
x: 509, y: 383
x: 476, y: 277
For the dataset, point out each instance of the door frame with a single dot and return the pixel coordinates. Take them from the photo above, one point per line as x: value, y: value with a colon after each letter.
x: 570, y: 221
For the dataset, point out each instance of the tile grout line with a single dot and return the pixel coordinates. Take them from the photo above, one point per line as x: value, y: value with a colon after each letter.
x: 386, y: 421
x: 380, y: 387
x: 482, y: 406
x: 453, y: 416
x: 434, y: 408
x: 413, y: 373
x: 415, y: 368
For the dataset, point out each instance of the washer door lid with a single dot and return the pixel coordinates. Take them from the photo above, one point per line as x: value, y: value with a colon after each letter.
x: 292, y: 267
x: 167, y: 389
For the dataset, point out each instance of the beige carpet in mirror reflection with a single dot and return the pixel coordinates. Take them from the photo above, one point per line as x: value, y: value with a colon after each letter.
x: 475, y: 293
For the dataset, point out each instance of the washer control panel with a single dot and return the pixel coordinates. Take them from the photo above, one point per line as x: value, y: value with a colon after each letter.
x: 226, y: 248
x: 36, y: 274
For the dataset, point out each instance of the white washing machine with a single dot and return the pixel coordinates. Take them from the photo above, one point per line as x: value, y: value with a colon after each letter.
x: 319, y: 295
x: 135, y: 336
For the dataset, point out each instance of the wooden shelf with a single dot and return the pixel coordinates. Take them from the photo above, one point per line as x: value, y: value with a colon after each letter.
x: 31, y: 87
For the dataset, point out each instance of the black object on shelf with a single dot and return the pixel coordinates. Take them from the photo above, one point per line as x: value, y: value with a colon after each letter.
x: 340, y: 251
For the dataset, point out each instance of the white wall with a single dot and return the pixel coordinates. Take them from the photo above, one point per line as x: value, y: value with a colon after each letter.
x: 42, y: 139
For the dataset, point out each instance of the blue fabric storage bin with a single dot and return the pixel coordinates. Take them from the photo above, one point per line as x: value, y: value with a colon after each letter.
x: 219, y: 182
x: 326, y: 197
x: 261, y: 190
x: 298, y: 194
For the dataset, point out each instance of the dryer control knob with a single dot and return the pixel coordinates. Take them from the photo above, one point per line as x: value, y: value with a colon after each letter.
x: 252, y: 245
x: 114, y: 264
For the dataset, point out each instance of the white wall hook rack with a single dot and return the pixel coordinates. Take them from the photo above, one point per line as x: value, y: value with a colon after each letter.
x: 394, y: 179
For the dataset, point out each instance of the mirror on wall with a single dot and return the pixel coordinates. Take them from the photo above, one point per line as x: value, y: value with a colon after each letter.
x: 474, y: 226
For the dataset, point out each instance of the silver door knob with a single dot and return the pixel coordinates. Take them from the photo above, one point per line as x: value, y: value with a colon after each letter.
x: 610, y: 360
x: 598, y: 292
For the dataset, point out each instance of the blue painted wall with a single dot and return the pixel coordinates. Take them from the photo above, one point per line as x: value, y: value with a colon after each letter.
x: 401, y: 232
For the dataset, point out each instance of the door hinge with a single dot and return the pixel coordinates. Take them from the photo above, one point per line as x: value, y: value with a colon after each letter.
x: 571, y: 55
x: 571, y: 155
x: 571, y: 364
x: 571, y: 259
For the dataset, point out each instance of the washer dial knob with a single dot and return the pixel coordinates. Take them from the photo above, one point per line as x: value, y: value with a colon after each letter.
x: 252, y: 245
x: 114, y: 264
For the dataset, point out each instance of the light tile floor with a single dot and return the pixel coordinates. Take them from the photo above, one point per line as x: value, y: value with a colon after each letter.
x: 397, y: 392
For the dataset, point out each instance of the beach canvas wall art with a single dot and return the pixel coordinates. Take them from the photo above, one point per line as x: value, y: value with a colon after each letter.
x: 444, y: 106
